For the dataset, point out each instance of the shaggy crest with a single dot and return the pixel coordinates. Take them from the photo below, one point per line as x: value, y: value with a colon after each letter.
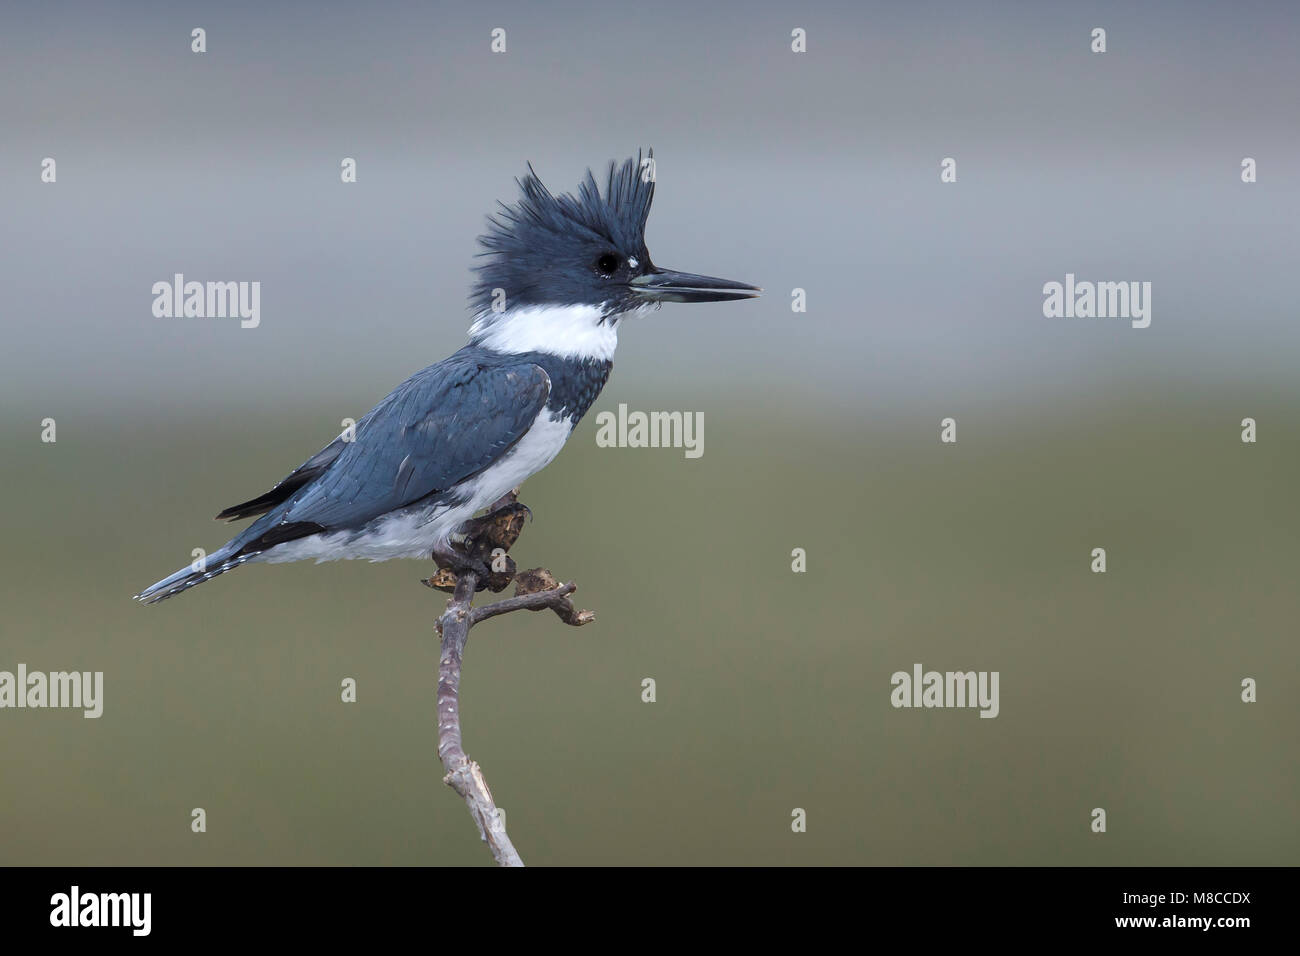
x: 542, y: 232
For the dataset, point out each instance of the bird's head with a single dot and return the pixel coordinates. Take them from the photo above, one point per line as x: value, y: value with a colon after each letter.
x: 582, y: 252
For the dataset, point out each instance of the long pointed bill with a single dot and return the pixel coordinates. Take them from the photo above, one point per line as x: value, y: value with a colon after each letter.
x: 664, y: 285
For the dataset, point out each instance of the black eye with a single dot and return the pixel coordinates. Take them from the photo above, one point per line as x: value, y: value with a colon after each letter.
x: 607, y: 264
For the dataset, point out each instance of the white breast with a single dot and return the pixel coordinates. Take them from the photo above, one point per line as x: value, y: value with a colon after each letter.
x: 531, y: 454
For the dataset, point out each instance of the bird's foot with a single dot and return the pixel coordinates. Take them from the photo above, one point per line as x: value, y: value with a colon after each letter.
x: 508, y: 503
x: 479, y: 546
x: 457, y: 554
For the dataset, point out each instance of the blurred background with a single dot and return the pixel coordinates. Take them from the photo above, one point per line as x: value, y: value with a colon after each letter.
x: 817, y: 171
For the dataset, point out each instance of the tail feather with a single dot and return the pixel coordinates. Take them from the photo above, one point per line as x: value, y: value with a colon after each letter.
x: 259, y: 537
x: 186, y: 578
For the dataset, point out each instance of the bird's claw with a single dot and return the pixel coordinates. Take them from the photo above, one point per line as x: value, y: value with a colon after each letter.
x: 452, y: 556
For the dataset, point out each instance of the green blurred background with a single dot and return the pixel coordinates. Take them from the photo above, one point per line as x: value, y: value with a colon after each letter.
x: 1117, y: 690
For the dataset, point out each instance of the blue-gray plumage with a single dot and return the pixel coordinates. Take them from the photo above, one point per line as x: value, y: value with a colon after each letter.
x: 561, y: 272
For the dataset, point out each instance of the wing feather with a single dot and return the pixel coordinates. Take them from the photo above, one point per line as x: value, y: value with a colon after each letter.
x: 437, y: 429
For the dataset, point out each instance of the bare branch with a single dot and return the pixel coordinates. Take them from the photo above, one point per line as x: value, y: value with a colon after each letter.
x: 535, y: 590
x: 557, y: 599
x: 464, y: 775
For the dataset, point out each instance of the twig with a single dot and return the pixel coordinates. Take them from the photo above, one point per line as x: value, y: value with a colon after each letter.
x: 464, y: 775
x: 557, y: 599
x: 534, y: 590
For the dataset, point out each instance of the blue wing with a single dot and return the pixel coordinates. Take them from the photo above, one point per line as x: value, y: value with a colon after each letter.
x: 440, y: 427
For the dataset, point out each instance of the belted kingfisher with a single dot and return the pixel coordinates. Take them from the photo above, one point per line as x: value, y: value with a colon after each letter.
x: 559, y: 275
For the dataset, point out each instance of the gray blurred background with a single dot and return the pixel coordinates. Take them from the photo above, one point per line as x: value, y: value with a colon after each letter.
x: 818, y: 171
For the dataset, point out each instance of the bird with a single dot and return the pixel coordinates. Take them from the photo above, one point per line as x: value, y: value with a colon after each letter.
x: 559, y: 275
